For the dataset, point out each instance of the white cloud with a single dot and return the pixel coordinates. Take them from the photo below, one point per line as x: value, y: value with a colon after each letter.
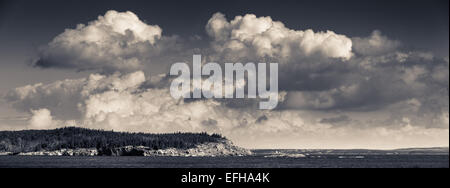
x: 259, y: 37
x: 375, y: 44
x: 65, y: 97
x: 41, y: 119
x: 119, y: 102
x: 115, y: 41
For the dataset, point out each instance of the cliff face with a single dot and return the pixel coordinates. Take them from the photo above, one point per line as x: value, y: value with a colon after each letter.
x: 213, y: 149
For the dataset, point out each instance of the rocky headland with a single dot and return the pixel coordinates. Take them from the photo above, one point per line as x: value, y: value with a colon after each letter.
x: 85, y: 142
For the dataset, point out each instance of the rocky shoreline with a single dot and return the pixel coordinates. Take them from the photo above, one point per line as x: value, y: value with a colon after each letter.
x: 213, y: 149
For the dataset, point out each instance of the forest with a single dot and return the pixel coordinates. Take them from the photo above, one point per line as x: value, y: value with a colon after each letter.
x: 73, y: 138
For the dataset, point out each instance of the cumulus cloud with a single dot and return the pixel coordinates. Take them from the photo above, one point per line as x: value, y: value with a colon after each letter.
x: 375, y: 44
x: 119, y: 102
x: 380, y: 76
x: 41, y: 119
x: 115, y: 41
x: 60, y: 97
x: 361, y: 86
x: 65, y: 97
x: 260, y: 37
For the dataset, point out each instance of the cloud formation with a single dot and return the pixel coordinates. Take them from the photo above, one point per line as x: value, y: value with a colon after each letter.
x: 42, y: 119
x: 115, y: 41
x: 375, y: 44
x: 119, y: 102
x: 336, y: 91
x: 249, y: 36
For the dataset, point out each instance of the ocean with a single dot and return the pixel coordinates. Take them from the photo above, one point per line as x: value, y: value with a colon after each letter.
x: 261, y: 159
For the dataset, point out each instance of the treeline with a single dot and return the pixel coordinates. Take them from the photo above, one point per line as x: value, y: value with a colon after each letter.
x: 73, y: 138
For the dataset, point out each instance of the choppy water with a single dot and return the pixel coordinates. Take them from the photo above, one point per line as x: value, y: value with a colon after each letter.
x: 262, y: 159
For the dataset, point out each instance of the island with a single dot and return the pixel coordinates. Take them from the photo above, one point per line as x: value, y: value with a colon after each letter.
x: 73, y: 141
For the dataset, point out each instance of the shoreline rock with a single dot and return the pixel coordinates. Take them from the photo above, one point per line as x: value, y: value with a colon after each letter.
x: 223, y: 148
x: 5, y: 153
x: 219, y: 149
x: 63, y: 152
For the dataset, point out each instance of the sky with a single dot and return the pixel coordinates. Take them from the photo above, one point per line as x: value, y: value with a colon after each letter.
x: 353, y: 74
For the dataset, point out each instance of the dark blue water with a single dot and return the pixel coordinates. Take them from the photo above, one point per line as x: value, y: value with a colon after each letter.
x: 327, y: 161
